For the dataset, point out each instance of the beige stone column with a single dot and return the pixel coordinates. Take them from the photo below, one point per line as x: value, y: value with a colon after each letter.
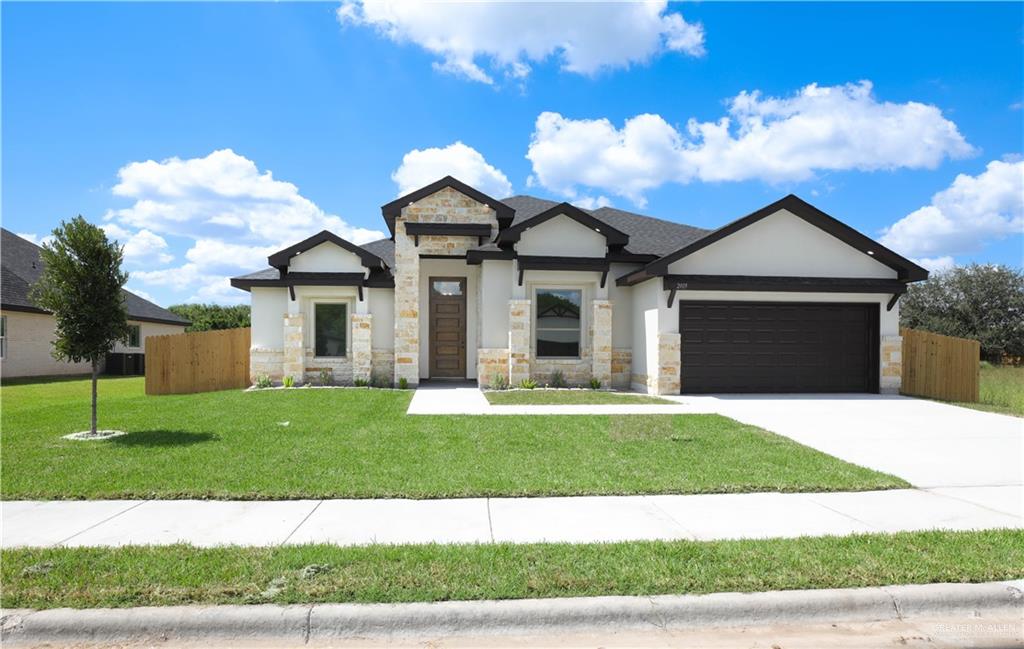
x: 362, y: 346
x: 294, y: 361
x: 518, y: 341
x: 663, y: 378
x: 407, y: 307
x: 601, y: 341
x: 890, y: 379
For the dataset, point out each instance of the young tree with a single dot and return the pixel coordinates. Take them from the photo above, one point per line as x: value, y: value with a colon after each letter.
x: 984, y: 302
x: 81, y: 286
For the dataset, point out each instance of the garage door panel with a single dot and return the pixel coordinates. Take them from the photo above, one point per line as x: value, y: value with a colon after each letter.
x: 779, y: 347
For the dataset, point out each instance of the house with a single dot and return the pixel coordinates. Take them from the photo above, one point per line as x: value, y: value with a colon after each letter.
x: 786, y: 299
x: 27, y: 332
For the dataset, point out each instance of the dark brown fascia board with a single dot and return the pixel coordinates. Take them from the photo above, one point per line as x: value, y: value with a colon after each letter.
x: 282, y: 258
x: 31, y: 309
x: 634, y: 278
x: 906, y: 269
x: 612, y: 236
x: 391, y: 211
x: 782, y: 283
x: 543, y: 262
x: 480, y: 231
x: 474, y: 257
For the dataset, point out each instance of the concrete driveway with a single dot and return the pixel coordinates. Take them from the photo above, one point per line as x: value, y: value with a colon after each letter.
x: 932, y: 445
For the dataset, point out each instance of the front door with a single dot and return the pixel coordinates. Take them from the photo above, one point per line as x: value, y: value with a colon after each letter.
x: 448, y: 327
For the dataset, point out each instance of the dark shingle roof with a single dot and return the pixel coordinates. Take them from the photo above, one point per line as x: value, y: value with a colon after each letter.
x: 647, y: 235
x: 21, y: 266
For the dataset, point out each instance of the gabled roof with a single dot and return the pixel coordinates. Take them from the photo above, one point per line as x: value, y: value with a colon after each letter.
x: 282, y: 258
x: 21, y: 266
x: 613, y: 236
x: 906, y: 270
x: 647, y: 235
x: 393, y: 210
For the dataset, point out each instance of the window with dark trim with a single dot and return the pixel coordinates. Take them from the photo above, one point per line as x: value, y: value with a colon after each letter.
x: 558, y: 327
x: 330, y: 322
x: 134, y: 335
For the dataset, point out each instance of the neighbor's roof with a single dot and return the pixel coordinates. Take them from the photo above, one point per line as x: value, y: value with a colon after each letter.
x: 21, y: 266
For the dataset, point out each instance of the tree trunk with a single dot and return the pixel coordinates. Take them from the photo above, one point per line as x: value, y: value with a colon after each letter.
x: 95, y: 374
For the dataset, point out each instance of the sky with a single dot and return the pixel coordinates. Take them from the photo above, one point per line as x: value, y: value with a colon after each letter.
x: 205, y: 136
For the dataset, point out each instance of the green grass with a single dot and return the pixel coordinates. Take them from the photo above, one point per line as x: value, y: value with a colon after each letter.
x: 1001, y: 389
x: 569, y: 397
x: 148, y: 575
x: 359, y: 443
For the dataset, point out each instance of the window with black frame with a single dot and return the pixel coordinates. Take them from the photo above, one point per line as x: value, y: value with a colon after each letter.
x: 558, y: 327
x: 331, y: 329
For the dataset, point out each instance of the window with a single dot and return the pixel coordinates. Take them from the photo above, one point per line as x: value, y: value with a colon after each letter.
x: 558, y: 323
x: 134, y: 335
x: 448, y: 287
x: 3, y: 336
x: 330, y: 323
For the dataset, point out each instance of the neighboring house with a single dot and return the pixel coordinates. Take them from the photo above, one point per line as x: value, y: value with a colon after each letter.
x: 27, y: 332
x: 786, y: 299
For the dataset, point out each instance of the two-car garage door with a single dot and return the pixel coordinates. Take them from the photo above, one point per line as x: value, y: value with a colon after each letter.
x: 778, y: 347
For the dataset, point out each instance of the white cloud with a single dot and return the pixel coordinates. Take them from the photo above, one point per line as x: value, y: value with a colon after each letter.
x: 143, y: 294
x: 936, y: 264
x: 963, y: 217
x: 234, y: 214
x: 508, y: 37
x: 764, y: 138
x: 591, y: 202
x: 142, y: 247
x: 35, y: 238
x: 423, y: 166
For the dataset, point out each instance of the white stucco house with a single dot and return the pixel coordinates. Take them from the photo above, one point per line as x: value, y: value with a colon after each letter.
x: 27, y: 332
x: 785, y: 299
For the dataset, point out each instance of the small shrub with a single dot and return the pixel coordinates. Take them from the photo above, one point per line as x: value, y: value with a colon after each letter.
x: 263, y: 381
x: 326, y: 376
x: 403, y: 383
x: 595, y: 384
x: 289, y: 381
x: 527, y: 384
x: 499, y: 381
x: 379, y: 381
x: 557, y: 379
x: 360, y: 383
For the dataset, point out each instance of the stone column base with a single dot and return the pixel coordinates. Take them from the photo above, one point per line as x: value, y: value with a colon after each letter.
x: 293, y: 361
x: 489, y: 364
x: 664, y: 379
x: 362, y: 341
x: 518, y: 341
x: 890, y: 378
x: 601, y: 340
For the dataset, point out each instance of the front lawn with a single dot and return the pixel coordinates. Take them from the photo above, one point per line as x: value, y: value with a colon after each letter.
x: 314, y: 443
x: 155, y: 576
x: 569, y: 397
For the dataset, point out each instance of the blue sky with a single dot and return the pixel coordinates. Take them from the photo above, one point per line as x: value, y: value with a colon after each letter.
x: 161, y: 121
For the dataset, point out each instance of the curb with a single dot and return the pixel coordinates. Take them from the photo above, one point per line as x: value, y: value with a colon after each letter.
x: 303, y: 623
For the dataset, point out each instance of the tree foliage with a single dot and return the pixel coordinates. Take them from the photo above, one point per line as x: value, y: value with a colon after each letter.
x: 81, y: 286
x: 207, y: 317
x: 984, y: 302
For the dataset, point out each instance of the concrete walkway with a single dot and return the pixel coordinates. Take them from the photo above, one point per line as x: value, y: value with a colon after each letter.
x: 515, y: 520
x: 464, y: 399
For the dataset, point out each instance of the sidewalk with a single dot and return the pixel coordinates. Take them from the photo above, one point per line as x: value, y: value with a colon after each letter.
x: 448, y: 399
x: 496, y: 520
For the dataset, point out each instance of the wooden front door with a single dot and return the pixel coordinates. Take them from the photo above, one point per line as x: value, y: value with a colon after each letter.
x: 448, y: 327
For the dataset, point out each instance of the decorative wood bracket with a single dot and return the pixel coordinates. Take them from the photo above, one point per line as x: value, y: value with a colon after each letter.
x: 892, y: 301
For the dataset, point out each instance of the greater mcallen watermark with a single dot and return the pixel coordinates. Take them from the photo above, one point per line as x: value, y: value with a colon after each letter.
x: 979, y: 630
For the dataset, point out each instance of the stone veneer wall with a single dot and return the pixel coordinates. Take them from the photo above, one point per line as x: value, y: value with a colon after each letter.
x: 601, y: 342
x: 891, y: 356
x: 666, y: 380
x: 518, y: 341
x: 293, y: 361
x: 491, y: 361
x: 444, y: 206
x: 362, y: 342
x: 266, y: 362
x: 341, y: 369
x: 622, y: 364
x: 383, y: 364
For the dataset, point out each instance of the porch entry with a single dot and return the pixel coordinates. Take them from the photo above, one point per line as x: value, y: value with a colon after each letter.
x: 448, y: 327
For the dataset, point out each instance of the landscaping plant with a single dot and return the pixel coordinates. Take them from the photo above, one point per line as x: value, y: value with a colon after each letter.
x: 499, y: 381
x: 81, y: 285
x: 263, y: 381
x: 558, y: 379
x: 289, y: 381
x: 527, y: 384
x: 595, y: 384
x: 403, y: 383
x: 326, y: 376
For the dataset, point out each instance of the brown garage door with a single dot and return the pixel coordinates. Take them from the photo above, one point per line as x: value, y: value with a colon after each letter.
x: 778, y: 347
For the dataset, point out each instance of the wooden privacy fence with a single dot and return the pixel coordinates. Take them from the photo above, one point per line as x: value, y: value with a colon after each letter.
x: 940, y: 367
x: 202, y: 361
